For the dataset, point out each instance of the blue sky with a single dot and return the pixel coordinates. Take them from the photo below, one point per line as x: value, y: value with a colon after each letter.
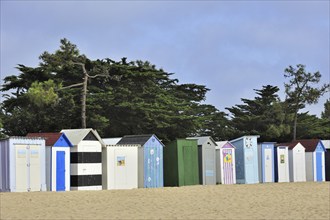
x: 232, y: 47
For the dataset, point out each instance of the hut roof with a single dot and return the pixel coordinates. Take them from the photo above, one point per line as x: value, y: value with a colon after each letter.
x: 203, y: 139
x: 136, y: 139
x: 326, y: 144
x: 50, y: 138
x: 111, y: 141
x: 77, y: 135
x: 220, y: 144
x: 309, y: 144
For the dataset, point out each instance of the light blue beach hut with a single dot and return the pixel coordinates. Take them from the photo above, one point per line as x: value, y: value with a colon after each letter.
x: 246, y: 159
x: 266, y: 162
x: 150, y: 171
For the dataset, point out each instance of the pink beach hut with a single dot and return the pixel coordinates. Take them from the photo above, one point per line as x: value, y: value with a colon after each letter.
x: 225, y: 162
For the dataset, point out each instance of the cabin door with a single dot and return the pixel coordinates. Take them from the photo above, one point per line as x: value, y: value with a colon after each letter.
x: 21, y: 168
x: 228, y: 168
x: 60, y: 170
x: 268, y: 169
x: 188, y: 163
x: 319, y: 166
x: 282, y: 165
x: 249, y: 166
x: 35, y: 183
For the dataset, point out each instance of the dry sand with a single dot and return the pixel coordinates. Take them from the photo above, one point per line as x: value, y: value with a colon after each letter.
x: 258, y: 201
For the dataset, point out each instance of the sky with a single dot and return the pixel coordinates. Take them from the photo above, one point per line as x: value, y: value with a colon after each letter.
x: 231, y: 47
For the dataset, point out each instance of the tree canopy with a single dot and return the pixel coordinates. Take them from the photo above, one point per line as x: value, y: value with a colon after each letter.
x: 135, y: 97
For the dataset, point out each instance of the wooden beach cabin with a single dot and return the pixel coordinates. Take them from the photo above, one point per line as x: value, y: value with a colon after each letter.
x: 326, y: 144
x: 57, y: 160
x: 315, y: 159
x: 181, y: 163
x: 22, y: 164
x: 225, y: 162
x: 206, y: 160
x: 85, y: 159
x: 281, y: 160
x: 120, y: 165
x: 246, y: 159
x: 266, y: 162
x: 150, y: 174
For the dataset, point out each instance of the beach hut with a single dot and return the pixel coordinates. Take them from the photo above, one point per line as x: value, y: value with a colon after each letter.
x: 181, y: 163
x: 57, y: 160
x: 246, y: 159
x: 23, y: 167
x: 266, y: 162
x: 85, y: 159
x: 120, y: 166
x: 150, y: 173
x: 314, y: 158
x: 206, y: 160
x: 297, y: 161
x: 225, y: 162
x: 326, y: 144
x: 281, y: 159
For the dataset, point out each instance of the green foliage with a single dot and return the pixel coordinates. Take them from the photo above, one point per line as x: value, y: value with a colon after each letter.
x: 43, y: 93
x: 262, y: 116
x: 300, y: 91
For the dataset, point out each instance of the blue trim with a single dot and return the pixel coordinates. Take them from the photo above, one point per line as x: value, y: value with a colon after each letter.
x: 63, y: 141
x: 264, y: 146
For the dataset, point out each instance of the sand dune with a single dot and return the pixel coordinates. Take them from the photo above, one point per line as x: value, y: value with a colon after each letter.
x: 258, y: 201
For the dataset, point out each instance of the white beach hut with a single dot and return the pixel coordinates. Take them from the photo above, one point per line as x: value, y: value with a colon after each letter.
x: 120, y: 166
x: 326, y: 144
x: 225, y: 162
x: 266, y: 162
x: 86, y: 159
x: 297, y: 162
x: 23, y: 167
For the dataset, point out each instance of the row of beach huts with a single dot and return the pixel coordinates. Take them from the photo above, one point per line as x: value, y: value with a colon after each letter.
x: 79, y: 159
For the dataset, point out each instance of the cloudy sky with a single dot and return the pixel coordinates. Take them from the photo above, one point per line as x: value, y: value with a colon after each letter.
x: 232, y: 47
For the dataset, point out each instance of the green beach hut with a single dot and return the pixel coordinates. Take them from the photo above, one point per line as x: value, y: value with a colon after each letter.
x: 181, y: 163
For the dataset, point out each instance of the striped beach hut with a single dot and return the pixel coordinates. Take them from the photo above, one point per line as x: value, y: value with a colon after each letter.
x: 151, y: 166
x: 57, y: 160
x: 206, y: 160
x: 85, y: 159
x: 225, y: 162
x: 246, y: 159
x: 326, y: 144
x: 22, y: 164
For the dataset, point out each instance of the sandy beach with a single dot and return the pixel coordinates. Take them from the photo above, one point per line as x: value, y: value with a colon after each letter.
x: 307, y: 200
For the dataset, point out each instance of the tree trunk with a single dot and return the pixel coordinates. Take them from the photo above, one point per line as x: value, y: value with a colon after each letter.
x: 295, y: 126
x: 83, y: 99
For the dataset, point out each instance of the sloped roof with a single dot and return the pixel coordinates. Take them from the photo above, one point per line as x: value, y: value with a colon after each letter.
x: 111, y: 141
x: 136, y: 139
x: 220, y: 144
x: 203, y: 139
x: 50, y: 137
x: 237, y: 139
x: 326, y: 144
x: 77, y: 135
x: 309, y: 144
